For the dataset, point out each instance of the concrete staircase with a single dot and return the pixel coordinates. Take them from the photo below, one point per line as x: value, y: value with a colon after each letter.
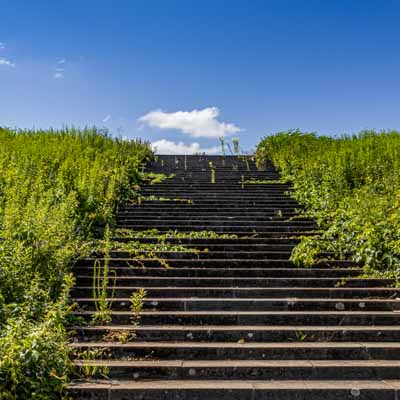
x: 237, y: 321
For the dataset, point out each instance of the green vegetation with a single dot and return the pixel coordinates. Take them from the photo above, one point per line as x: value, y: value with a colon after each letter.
x: 140, y: 199
x: 171, y: 234
x: 102, y: 278
x: 57, y: 190
x: 351, y: 186
x: 254, y: 181
x: 212, y: 168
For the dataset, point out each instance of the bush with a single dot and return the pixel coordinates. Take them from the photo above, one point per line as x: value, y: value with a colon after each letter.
x: 351, y: 186
x: 58, y: 189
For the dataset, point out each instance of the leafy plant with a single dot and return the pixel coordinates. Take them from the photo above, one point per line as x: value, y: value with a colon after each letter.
x: 254, y: 181
x: 222, y: 142
x: 212, y: 168
x: 140, y: 198
x: 236, y: 149
x: 171, y: 234
x: 351, y: 186
x: 89, y: 367
x: 58, y: 190
x: 137, y: 302
x: 101, y: 282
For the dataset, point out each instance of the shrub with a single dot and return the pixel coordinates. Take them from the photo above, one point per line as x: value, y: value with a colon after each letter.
x: 351, y: 186
x: 58, y: 189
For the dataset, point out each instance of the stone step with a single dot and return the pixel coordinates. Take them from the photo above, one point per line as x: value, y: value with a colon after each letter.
x: 247, y: 333
x: 218, y: 245
x: 240, y: 292
x: 223, y: 203
x: 328, y: 318
x: 209, y: 263
x: 218, y: 196
x: 240, y: 230
x: 215, y: 241
x: 221, y: 223
x: 247, y: 369
x: 158, y: 281
x: 192, y: 214
x: 236, y: 191
x: 243, y: 350
x: 228, y: 272
x: 179, y: 185
x: 233, y: 206
x: 191, y: 253
x: 265, y: 221
x: 232, y: 389
x: 189, y: 209
x: 250, y: 304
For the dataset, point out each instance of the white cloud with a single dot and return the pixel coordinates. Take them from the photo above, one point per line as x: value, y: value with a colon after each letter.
x: 7, y: 63
x: 107, y: 118
x: 196, y: 123
x: 62, y: 61
x: 164, y: 146
x: 2, y: 46
x: 58, y: 75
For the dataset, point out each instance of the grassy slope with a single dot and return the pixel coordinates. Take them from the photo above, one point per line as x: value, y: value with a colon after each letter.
x: 351, y: 185
x: 58, y: 189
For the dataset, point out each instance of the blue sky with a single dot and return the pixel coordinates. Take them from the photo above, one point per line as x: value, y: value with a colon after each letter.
x: 188, y: 71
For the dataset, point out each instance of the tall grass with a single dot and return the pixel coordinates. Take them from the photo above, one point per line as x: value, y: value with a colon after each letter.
x: 57, y: 190
x: 351, y: 185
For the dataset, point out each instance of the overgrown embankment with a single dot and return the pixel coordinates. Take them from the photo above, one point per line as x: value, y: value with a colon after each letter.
x: 351, y: 186
x: 57, y: 190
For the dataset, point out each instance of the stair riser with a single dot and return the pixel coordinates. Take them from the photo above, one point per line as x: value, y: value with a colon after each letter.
x: 240, y: 293
x: 167, y: 214
x: 231, y: 184
x: 195, y: 353
x: 253, y: 336
x: 293, y: 373
x: 227, y: 273
x: 114, y: 393
x: 211, y: 247
x: 295, y: 305
x: 266, y: 226
x: 189, y: 255
x: 265, y: 220
x: 283, y: 243
x: 235, y: 282
x: 185, y: 207
x: 213, y: 263
x: 223, y: 203
x: 310, y: 319
x: 220, y: 196
x: 234, y: 230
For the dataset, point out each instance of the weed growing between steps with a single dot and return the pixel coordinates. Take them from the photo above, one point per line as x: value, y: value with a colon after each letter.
x: 104, y: 276
x: 171, y: 234
x: 153, y: 178
x: 139, y: 199
x: 254, y: 181
x: 57, y: 189
x: 351, y: 186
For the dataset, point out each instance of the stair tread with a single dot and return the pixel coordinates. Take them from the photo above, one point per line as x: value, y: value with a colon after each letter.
x: 235, y: 345
x: 288, y: 313
x: 241, y: 363
x: 242, y: 327
x: 237, y: 384
x: 253, y: 299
